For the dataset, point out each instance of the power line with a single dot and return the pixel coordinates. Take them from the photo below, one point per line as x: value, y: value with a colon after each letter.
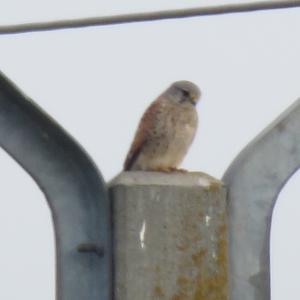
x: 149, y: 16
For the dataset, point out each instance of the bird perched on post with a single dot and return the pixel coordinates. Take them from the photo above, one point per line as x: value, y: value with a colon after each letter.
x: 166, y: 130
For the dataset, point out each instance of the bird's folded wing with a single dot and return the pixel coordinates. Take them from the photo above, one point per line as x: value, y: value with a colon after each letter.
x: 147, y: 123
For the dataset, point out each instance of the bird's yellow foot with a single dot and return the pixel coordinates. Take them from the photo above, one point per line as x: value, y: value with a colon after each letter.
x: 170, y: 170
x: 179, y: 170
x: 163, y: 169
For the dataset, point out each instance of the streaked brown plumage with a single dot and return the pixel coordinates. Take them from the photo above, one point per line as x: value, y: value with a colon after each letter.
x: 166, y: 130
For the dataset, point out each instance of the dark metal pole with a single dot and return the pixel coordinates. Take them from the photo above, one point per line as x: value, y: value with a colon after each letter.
x: 74, y: 190
x: 254, y: 181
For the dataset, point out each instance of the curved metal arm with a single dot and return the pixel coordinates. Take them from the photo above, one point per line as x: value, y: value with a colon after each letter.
x: 254, y: 180
x: 74, y: 189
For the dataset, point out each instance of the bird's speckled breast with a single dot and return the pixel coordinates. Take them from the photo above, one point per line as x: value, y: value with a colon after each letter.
x: 170, y: 137
x: 183, y: 127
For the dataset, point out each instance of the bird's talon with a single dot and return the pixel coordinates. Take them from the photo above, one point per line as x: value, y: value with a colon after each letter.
x: 181, y: 170
x: 178, y: 170
x: 171, y: 170
x: 164, y: 170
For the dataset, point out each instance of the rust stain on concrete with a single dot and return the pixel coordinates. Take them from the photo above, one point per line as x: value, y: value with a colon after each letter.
x: 204, y: 275
x: 213, y: 284
x: 158, y: 292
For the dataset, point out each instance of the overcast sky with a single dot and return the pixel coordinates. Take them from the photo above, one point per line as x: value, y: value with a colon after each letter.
x: 96, y: 82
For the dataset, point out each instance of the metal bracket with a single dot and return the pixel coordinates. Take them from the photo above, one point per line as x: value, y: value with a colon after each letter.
x: 254, y: 180
x: 74, y: 189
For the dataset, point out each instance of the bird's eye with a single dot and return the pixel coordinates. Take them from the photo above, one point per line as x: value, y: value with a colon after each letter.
x: 185, y: 93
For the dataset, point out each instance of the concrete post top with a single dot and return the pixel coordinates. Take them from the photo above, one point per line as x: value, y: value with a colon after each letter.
x: 170, y: 236
x: 188, y: 179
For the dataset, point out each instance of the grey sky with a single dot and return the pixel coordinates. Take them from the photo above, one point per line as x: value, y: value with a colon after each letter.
x: 97, y: 82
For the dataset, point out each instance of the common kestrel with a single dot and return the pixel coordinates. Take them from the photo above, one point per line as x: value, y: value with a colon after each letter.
x: 166, y: 130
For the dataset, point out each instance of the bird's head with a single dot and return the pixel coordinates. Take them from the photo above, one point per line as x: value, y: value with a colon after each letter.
x: 184, y: 92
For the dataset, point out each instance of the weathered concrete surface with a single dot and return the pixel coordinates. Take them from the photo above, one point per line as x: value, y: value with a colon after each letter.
x: 170, y: 236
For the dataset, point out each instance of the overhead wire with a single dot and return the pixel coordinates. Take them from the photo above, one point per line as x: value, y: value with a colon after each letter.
x: 149, y: 16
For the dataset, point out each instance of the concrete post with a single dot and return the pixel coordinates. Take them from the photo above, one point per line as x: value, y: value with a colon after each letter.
x: 170, y: 236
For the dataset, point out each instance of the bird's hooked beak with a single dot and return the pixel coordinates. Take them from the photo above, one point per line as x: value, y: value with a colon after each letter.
x: 193, y: 100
